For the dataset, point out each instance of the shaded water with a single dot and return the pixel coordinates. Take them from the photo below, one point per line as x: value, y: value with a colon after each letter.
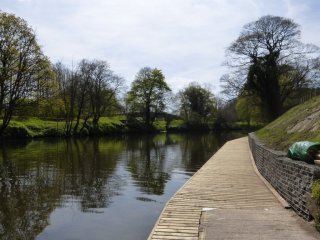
x: 106, y: 188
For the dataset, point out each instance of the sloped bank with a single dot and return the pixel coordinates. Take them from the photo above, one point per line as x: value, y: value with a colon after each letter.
x: 292, y: 179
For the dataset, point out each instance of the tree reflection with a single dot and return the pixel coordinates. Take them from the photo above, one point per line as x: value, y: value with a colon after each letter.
x: 26, y: 201
x: 90, y: 170
x: 146, y: 162
x: 198, y: 148
x: 37, y: 178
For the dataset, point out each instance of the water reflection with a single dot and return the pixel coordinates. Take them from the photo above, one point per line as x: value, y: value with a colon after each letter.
x: 146, y: 157
x: 88, y: 171
x: 42, y: 175
x: 39, y: 177
x: 26, y: 199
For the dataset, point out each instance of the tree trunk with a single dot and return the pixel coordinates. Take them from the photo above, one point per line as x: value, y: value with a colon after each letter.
x: 6, y: 120
x: 273, y: 96
x: 147, y: 114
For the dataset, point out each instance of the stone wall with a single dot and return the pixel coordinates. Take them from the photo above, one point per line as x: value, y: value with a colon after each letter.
x: 292, y: 179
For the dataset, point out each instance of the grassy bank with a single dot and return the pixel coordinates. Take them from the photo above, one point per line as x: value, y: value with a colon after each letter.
x: 301, y: 123
x: 36, y: 128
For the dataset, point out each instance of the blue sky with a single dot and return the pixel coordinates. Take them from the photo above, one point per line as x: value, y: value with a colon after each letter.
x: 185, y: 38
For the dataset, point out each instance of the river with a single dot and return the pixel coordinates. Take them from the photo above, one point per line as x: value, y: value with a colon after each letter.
x: 95, y: 188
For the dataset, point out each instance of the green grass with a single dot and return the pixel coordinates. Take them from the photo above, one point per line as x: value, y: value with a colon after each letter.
x: 297, y: 124
x: 315, y: 190
x: 178, y: 123
x: 113, y: 120
x: 160, y: 125
x: 34, y: 127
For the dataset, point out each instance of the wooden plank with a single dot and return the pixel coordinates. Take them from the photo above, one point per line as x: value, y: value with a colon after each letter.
x: 226, y: 181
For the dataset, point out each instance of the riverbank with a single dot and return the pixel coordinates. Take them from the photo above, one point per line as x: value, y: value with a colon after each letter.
x: 301, y: 123
x: 28, y: 128
x: 20, y: 128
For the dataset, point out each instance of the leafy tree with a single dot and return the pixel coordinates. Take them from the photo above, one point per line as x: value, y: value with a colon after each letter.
x: 248, y: 109
x: 197, y: 104
x: 23, y: 67
x: 148, y: 93
x: 265, y: 51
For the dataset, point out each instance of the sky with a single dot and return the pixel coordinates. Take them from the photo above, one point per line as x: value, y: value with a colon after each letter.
x: 186, y: 39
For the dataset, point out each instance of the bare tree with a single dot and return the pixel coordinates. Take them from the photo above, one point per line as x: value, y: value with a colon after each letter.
x: 22, y: 65
x: 87, y: 93
x: 105, y: 85
x: 85, y: 74
x: 267, y: 51
x: 68, y: 87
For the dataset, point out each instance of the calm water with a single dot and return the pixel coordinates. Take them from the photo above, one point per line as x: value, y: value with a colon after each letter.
x: 106, y: 188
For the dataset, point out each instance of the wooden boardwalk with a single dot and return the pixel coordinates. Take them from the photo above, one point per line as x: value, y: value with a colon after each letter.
x: 226, y: 182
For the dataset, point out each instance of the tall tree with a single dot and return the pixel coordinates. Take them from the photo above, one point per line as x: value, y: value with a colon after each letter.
x: 248, y: 109
x: 68, y: 82
x: 148, y: 93
x: 260, y: 56
x: 23, y: 66
x: 197, y: 104
x: 84, y: 87
x: 105, y: 86
x: 88, y: 92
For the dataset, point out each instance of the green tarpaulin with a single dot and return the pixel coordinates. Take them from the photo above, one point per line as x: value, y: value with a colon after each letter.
x: 304, y: 151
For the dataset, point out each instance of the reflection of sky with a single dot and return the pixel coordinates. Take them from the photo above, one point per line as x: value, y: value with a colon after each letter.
x: 125, y: 218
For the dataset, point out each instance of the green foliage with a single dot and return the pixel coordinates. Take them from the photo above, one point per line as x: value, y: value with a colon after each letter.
x: 315, y: 189
x: 148, y: 93
x: 317, y: 222
x: 269, y: 61
x: 198, y: 105
x: 113, y: 120
x: 160, y: 124
x: 176, y: 124
x: 17, y: 131
x: 35, y: 127
x: 24, y: 68
x: 248, y: 109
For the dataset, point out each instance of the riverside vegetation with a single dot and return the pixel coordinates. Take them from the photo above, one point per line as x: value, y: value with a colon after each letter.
x: 275, y: 69
x: 32, y: 127
x: 316, y: 196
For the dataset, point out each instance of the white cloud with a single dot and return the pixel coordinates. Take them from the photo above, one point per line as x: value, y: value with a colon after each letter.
x: 184, y: 38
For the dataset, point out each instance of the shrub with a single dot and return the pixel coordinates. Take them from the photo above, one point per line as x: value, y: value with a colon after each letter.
x: 316, y: 191
x: 16, y: 132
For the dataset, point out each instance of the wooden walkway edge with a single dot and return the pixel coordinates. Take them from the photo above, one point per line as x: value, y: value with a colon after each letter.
x: 227, y: 182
